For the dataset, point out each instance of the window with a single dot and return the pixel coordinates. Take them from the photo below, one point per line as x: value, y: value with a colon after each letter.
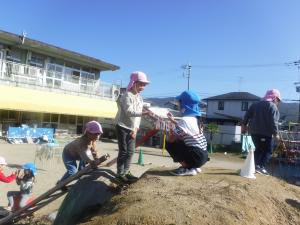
x: 36, y: 60
x: 244, y: 106
x: 14, y: 55
x: 220, y: 105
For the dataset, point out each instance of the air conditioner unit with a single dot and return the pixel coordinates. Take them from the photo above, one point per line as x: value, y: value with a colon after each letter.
x: 115, y: 92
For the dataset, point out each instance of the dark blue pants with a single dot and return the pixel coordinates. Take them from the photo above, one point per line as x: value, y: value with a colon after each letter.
x: 126, y: 149
x: 263, y: 149
x: 71, y: 166
x: 194, y: 157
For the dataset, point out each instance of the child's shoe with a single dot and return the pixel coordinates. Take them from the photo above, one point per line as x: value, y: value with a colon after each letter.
x: 198, y: 170
x: 131, y: 178
x: 120, y: 179
x: 185, y: 172
x: 7, y: 208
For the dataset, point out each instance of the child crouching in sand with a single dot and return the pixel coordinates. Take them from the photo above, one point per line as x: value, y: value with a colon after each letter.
x: 187, y: 144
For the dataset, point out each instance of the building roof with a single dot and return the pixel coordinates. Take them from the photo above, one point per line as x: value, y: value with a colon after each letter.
x: 235, y: 96
x: 57, y: 52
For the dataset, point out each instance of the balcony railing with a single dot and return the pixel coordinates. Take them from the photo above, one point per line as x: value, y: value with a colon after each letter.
x: 23, y: 75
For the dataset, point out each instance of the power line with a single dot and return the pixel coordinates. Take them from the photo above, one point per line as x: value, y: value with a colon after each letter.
x: 240, y: 66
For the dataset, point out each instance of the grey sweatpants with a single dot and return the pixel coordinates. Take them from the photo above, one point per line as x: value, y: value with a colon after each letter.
x: 126, y: 149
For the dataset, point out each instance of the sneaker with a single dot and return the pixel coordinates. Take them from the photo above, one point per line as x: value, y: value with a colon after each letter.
x: 185, y: 172
x: 130, y: 177
x: 198, y: 170
x: 264, y: 172
x: 120, y: 178
x: 178, y: 170
x: 7, y: 208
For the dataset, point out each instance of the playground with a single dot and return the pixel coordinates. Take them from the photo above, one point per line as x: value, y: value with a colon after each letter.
x: 216, y: 196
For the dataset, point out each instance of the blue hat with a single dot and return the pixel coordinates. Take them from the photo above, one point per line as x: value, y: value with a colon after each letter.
x: 189, y: 102
x: 30, y: 166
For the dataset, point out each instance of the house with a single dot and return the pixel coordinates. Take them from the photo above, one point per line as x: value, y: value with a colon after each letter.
x: 229, y: 108
x: 47, y: 86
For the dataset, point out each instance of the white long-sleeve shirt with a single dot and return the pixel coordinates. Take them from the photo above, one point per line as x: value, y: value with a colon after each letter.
x: 130, y: 109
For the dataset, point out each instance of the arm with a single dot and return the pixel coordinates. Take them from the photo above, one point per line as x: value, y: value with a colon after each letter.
x: 94, y: 151
x: 7, y: 179
x: 275, y: 119
x: 246, y: 120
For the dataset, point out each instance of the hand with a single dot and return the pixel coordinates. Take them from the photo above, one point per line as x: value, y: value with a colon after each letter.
x: 145, y: 112
x: 95, y: 163
x: 20, y: 174
x: 277, y: 137
x: 133, y: 134
x: 244, y: 129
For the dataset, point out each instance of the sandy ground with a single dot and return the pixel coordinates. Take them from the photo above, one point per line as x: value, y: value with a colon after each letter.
x: 215, y: 197
x: 50, y: 170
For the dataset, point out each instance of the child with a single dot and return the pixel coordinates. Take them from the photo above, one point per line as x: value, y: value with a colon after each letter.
x: 26, y: 180
x: 128, y: 121
x: 3, y: 178
x: 77, y: 150
x: 187, y: 144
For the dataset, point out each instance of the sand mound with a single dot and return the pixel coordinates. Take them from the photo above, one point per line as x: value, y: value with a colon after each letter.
x: 214, y: 197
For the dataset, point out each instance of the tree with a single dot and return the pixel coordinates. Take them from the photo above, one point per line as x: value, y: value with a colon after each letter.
x: 212, y: 129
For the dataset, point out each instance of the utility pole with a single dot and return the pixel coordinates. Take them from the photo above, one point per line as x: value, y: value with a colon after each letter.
x: 297, y: 84
x: 187, y: 72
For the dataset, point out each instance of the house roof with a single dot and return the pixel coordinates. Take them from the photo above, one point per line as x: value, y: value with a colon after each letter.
x: 235, y: 96
x: 54, y: 51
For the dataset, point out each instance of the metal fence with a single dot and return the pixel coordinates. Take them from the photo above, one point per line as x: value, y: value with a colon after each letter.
x: 55, y: 80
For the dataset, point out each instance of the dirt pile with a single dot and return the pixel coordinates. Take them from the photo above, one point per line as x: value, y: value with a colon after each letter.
x: 216, y: 196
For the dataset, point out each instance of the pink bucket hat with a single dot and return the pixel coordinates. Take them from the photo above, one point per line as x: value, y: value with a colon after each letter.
x: 2, y: 161
x: 271, y: 95
x: 137, y: 76
x: 93, y: 127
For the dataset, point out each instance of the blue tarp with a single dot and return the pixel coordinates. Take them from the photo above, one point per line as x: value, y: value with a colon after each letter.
x: 23, y: 132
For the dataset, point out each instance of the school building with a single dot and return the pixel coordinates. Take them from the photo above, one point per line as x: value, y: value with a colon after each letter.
x: 47, y: 86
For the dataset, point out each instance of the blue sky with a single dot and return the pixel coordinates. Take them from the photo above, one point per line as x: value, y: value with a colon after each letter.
x: 232, y: 45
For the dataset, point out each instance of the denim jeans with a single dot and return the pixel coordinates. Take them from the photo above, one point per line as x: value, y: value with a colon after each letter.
x: 263, y: 149
x: 126, y: 149
x: 71, y: 166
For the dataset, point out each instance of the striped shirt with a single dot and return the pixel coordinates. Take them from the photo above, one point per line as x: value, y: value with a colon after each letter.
x: 187, y: 128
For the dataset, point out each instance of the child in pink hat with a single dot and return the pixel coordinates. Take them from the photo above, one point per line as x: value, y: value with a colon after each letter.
x: 130, y: 111
x: 3, y: 178
x: 78, y: 149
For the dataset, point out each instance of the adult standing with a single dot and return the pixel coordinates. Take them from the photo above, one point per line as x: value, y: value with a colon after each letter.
x: 262, y: 120
x: 130, y: 111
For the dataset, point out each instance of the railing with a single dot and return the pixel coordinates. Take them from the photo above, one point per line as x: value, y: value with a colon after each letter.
x: 22, y: 75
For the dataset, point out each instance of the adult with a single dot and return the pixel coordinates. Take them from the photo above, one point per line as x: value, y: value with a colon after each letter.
x: 262, y: 120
